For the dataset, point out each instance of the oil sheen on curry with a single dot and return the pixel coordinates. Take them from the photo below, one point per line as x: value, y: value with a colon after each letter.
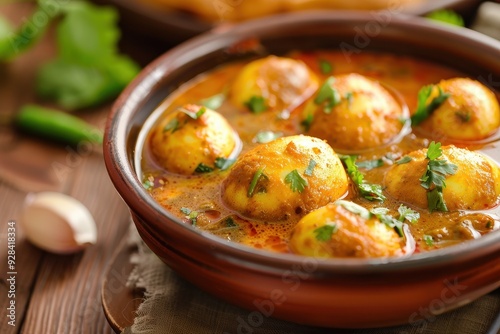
x: 320, y: 155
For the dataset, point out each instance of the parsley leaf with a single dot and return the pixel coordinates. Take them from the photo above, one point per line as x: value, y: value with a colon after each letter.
x: 435, y: 174
x: 327, y: 96
x: 310, y: 168
x: 267, y: 136
x: 223, y: 163
x: 408, y: 214
x: 202, y: 168
x: 325, y: 66
x: 89, y: 70
x: 256, y: 104
x: 423, y: 109
x: 404, y: 160
x: 214, y: 102
x: 297, y: 182
x: 370, y: 164
x: 324, y: 233
x: 371, y: 192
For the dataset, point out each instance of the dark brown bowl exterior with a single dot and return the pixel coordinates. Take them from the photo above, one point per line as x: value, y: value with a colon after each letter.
x: 331, y: 293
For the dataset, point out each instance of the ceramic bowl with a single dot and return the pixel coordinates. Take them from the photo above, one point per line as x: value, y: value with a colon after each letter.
x: 350, y: 293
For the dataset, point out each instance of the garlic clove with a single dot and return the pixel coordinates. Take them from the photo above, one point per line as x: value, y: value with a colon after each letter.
x: 57, y: 222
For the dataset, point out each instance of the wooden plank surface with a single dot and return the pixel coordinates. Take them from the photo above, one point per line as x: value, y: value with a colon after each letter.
x: 54, y: 293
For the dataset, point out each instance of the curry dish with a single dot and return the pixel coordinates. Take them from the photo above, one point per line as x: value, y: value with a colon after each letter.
x: 328, y: 155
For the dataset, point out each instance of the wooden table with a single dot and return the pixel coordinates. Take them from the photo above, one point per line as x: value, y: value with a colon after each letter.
x: 54, y: 293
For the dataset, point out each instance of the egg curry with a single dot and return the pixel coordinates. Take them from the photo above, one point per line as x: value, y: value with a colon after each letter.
x: 311, y: 154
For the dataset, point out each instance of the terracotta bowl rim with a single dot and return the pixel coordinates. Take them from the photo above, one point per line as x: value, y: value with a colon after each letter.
x: 122, y: 173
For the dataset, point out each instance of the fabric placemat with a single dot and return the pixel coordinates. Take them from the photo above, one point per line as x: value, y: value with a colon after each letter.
x: 173, y: 305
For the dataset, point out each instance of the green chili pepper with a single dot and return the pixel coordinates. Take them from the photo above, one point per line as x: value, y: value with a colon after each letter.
x: 56, y: 125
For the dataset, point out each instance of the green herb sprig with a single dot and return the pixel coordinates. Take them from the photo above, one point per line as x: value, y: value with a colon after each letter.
x: 424, y: 110
x: 434, y: 177
x: 371, y: 192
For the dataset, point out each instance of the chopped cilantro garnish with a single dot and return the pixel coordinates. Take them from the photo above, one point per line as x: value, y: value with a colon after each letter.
x: 404, y: 160
x: 306, y: 122
x: 297, y: 182
x: 424, y: 110
x: 148, y: 184
x: 446, y: 16
x: 173, y: 126
x: 327, y: 96
x: 371, y: 192
x: 223, y: 163
x: 191, y: 215
x: 192, y: 114
x: 436, y: 172
x: 355, y: 208
x: 267, y: 136
x: 256, y: 104
x: 202, y: 168
x: 324, y: 233
x: 310, y: 168
x: 325, y: 66
x: 230, y: 222
x: 408, y: 214
x: 429, y: 240
x: 464, y: 116
x: 259, y: 174
x: 370, y: 164
x: 214, y: 102
x: 348, y: 96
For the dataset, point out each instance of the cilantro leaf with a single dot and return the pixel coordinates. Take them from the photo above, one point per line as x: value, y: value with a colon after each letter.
x: 324, y: 233
x: 325, y: 66
x: 192, y: 114
x: 88, y: 69
x: 297, y: 182
x: 327, y: 96
x: 446, y: 16
x: 424, y: 110
x: 404, y: 160
x: 257, y: 177
x: 371, y: 192
x: 435, y: 174
x: 214, y: 102
x: 223, y: 163
x: 230, y: 222
x: 173, y: 126
x: 408, y: 214
x: 267, y: 136
x: 310, y: 168
x: 306, y: 122
x: 355, y: 208
x: 191, y: 215
x: 202, y: 168
x: 256, y: 104
x: 429, y: 240
x: 370, y: 164
x: 434, y: 151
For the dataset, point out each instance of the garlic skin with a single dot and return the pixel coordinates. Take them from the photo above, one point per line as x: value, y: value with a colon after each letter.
x: 57, y: 223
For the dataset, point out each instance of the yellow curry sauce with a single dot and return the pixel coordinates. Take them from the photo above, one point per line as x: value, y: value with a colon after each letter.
x: 196, y: 199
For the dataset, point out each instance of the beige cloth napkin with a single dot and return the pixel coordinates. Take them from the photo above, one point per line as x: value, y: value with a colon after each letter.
x: 173, y: 306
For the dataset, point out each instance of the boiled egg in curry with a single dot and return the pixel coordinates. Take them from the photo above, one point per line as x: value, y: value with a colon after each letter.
x: 352, y: 113
x: 285, y: 178
x: 273, y: 83
x: 191, y: 139
x: 458, y: 109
